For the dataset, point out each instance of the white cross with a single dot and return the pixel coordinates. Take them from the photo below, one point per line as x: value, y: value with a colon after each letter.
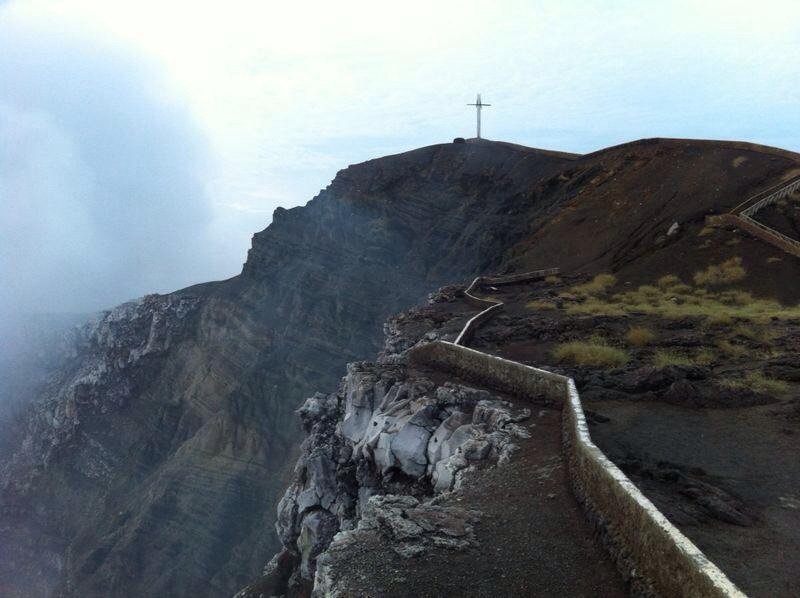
x: 478, y: 105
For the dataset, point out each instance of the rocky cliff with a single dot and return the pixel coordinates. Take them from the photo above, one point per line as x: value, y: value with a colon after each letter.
x: 384, y: 452
x: 377, y: 453
x: 152, y: 459
x: 150, y: 462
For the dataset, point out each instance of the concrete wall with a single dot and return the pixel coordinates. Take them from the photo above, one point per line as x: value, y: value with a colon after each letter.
x: 659, y: 552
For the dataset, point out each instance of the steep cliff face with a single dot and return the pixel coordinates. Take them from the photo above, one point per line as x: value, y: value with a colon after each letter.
x: 382, y: 447
x: 414, y: 481
x: 151, y: 461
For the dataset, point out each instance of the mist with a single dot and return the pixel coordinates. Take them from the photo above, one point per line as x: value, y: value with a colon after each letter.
x: 102, y: 175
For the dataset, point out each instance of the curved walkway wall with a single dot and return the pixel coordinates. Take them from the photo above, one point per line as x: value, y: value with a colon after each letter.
x: 489, y: 306
x: 659, y: 552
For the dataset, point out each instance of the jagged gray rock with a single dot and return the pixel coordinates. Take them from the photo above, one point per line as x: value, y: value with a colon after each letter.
x: 410, y: 526
x: 376, y: 451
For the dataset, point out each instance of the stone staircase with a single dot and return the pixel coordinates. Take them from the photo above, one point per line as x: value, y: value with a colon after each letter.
x: 742, y: 216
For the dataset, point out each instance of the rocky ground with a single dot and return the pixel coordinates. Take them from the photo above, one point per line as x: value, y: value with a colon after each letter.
x: 528, y: 537
x: 414, y: 482
x: 690, y: 387
x: 149, y: 460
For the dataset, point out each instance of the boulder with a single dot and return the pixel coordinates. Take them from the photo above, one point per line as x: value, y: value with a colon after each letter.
x: 410, y: 444
x: 359, y: 393
x: 442, y: 434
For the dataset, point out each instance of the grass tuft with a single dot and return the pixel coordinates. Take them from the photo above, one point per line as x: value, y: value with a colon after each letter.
x: 705, y: 357
x: 717, y: 308
x: 541, y: 305
x: 592, y: 352
x: 757, y: 382
x: 599, y: 284
x: 639, y: 336
x: 665, y: 357
x: 667, y: 281
x: 731, y: 350
x: 727, y: 272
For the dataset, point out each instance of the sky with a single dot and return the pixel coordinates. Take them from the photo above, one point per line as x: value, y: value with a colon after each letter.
x: 143, y: 143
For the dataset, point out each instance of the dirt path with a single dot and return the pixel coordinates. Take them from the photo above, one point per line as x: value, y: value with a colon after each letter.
x: 728, y: 478
x: 533, y: 539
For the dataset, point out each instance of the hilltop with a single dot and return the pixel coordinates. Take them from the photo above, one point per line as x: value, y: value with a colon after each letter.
x: 152, y: 459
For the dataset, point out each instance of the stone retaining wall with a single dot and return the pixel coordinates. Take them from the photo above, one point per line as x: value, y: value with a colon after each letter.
x: 659, y: 552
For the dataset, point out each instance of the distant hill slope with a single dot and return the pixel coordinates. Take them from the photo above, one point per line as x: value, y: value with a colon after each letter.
x: 611, y: 211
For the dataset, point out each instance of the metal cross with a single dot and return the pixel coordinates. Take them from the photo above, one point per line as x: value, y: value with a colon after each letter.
x: 478, y: 105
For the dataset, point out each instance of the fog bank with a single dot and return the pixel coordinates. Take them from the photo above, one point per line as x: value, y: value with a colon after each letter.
x: 102, y: 175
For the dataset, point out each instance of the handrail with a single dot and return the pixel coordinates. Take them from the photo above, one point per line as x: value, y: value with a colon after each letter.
x: 744, y: 215
x: 761, y: 196
x: 771, y: 231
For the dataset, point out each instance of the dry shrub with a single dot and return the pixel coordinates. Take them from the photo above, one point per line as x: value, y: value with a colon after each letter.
x: 541, y: 305
x: 718, y: 318
x: 599, y: 284
x: 668, y: 281
x: 727, y: 272
x: 638, y: 336
x: 736, y: 297
x: 665, y: 357
x: 705, y: 357
x: 731, y: 350
x: 592, y: 352
x: 745, y: 332
x: 757, y: 382
x: 552, y: 279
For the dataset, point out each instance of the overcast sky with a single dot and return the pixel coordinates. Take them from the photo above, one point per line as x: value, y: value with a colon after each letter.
x: 142, y: 143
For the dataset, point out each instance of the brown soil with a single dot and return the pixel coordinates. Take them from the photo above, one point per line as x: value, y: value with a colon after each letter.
x: 783, y: 217
x: 533, y: 537
x: 611, y: 211
x: 744, y: 458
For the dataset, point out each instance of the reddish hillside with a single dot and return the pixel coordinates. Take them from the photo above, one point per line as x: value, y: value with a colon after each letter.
x: 611, y: 211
